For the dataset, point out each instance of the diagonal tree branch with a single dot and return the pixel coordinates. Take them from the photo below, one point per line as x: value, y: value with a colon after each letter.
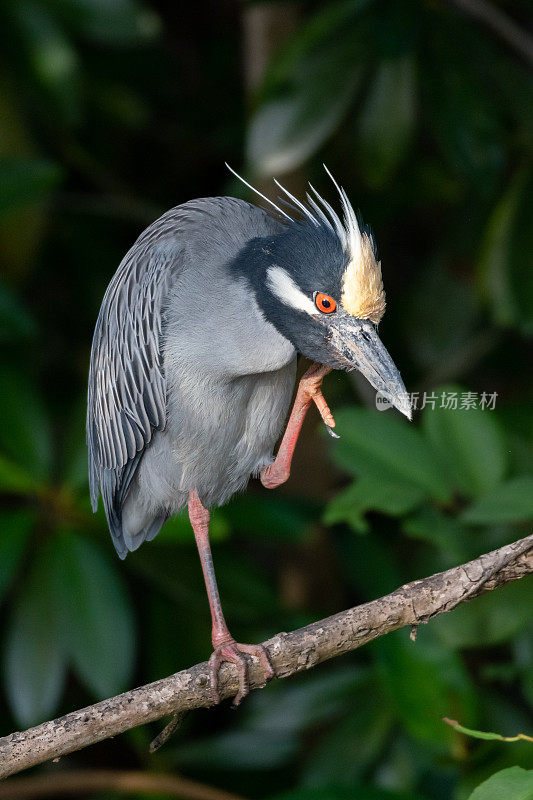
x: 412, y: 604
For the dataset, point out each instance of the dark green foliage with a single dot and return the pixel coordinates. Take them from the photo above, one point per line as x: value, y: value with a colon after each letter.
x: 111, y: 113
x: 96, y: 619
x: 24, y: 181
x: 34, y: 652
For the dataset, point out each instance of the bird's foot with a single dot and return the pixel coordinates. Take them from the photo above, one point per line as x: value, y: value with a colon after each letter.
x: 310, y: 386
x: 309, y: 391
x: 237, y: 654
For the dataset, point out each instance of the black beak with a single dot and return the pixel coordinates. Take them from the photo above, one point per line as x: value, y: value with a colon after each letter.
x: 357, y: 345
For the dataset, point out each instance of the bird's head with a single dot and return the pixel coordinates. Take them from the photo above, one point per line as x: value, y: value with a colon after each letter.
x: 318, y: 281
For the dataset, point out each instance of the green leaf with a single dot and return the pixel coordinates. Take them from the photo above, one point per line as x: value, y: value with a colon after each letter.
x: 256, y: 514
x: 267, y: 736
x: 347, y: 750
x: 14, y: 479
x: 424, y: 681
x: 308, y: 88
x: 16, y: 323
x: 511, y: 501
x: 178, y: 528
x: 505, y: 265
x: 486, y: 735
x: 24, y: 181
x: 370, y: 565
x: 387, y: 119
x: 361, y: 791
x: 459, y: 104
x: 489, y: 620
x: 495, y: 259
x: 442, y: 312
x: 15, y: 527
x: 341, y: 19
x: 52, y: 59
x: 34, y: 656
x: 122, y: 22
x: 381, y: 446
x: 240, y: 750
x: 320, y: 698
x: 523, y: 659
x: 442, y: 531
x: 285, y: 131
x: 25, y: 432
x: 371, y: 494
x: 97, y: 623
x: 468, y: 442
x: 73, y: 447
x: 514, y: 783
x: 521, y: 259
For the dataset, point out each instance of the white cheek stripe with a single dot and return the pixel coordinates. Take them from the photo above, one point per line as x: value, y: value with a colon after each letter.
x: 282, y: 285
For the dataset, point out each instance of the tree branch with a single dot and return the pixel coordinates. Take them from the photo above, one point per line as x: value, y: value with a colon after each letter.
x: 412, y: 604
x: 89, y: 781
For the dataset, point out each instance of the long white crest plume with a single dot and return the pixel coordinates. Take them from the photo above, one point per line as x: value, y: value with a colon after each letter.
x: 347, y: 230
x: 253, y: 189
x: 351, y: 226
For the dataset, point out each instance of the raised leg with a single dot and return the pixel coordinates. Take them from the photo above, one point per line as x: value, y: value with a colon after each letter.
x: 309, y: 391
x: 225, y: 646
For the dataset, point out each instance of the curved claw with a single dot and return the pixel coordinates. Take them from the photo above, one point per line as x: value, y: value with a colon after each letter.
x: 237, y: 654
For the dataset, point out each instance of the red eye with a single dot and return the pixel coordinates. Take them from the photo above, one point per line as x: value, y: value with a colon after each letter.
x: 325, y: 303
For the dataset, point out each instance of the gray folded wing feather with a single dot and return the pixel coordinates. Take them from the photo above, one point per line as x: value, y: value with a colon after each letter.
x: 127, y: 393
x: 127, y: 390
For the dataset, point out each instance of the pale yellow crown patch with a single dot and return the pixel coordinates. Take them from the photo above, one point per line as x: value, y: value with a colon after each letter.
x: 363, y: 295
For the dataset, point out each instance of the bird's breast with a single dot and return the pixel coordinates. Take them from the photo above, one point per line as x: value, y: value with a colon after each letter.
x: 220, y: 433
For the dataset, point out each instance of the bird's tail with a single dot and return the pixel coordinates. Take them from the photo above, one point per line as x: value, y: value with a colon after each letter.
x: 130, y: 524
x: 134, y: 539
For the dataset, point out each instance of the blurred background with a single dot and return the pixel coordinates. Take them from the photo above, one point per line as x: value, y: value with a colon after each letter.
x: 112, y: 111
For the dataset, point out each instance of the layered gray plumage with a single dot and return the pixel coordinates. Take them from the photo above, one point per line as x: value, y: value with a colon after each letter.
x: 194, y: 353
x: 189, y: 383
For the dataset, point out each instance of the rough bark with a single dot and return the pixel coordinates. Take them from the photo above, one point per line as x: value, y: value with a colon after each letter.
x: 410, y: 605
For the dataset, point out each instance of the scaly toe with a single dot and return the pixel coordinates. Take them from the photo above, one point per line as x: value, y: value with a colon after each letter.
x: 261, y: 653
x: 215, y: 663
x: 237, y: 654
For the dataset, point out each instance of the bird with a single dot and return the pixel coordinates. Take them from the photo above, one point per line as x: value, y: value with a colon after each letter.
x: 193, y: 364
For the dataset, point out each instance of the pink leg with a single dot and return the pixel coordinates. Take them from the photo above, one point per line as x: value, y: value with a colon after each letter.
x: 309, y: 391
x: 225, y: 646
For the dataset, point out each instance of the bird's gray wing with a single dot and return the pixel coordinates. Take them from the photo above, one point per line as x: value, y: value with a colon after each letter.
x: 127, y: 389
x: 127, y: 392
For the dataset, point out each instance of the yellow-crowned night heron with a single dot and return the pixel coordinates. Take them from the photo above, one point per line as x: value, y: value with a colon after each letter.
x: 194, y: 356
